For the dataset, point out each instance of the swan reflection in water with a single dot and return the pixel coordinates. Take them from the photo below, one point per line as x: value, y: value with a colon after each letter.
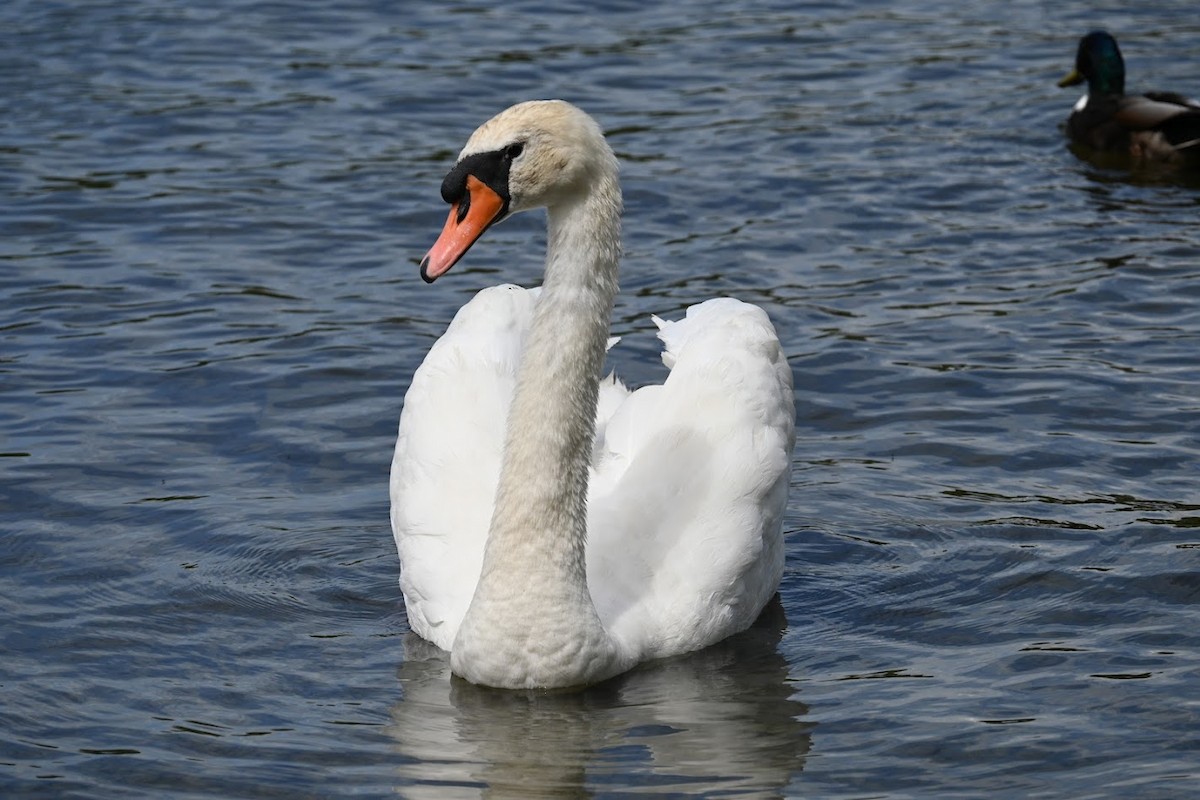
x: 722, y: 720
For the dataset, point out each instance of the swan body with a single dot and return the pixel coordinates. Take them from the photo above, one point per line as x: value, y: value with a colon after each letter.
x: 555, y: 528
x: 1151, y: 127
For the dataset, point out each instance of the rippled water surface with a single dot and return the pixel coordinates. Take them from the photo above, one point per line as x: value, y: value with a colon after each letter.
x: 211, y: 217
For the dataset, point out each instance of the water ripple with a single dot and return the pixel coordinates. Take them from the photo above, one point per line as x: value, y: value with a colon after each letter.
x: 212, y: 220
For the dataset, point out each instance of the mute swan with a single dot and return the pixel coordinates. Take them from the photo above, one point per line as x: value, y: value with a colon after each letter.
x: 597, y: 528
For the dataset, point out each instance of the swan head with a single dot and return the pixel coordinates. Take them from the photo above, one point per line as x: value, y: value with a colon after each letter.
x: 541, y: 153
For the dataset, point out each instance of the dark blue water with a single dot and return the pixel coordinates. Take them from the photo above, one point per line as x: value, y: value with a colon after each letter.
x: 210, y: 221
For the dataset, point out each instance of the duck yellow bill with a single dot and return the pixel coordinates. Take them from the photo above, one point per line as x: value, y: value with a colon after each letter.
x: 469, y: 218
x: 1071, y: 78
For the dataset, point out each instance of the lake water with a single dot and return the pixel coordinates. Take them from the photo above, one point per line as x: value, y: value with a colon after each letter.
x: 211, y: 216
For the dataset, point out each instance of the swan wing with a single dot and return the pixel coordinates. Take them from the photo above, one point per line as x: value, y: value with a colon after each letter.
x: 447, y: 458
x: 690, y: 485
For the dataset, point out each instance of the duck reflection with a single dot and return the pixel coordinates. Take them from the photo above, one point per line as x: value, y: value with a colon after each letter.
x: 722, y: 720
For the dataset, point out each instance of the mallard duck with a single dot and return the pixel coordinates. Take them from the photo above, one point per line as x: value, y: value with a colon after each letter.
x: 1155, y: 126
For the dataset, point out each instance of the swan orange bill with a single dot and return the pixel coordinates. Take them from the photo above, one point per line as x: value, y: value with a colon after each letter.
x: 468, y: 219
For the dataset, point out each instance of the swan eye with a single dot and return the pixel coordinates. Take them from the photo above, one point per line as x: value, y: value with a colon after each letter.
x: 514, y: 150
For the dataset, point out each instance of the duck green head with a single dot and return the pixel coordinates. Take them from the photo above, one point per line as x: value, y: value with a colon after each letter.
x: 1098, y: 61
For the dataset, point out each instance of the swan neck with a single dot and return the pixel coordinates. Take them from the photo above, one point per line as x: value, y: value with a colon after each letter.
x: 531, y: 621
x: 542, y: 494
